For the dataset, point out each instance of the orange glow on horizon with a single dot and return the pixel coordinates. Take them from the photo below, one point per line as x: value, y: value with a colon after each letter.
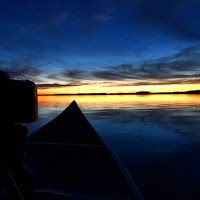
x: 104, y: 88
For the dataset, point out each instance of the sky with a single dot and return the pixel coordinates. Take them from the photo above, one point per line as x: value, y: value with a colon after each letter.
x: 111, y: 46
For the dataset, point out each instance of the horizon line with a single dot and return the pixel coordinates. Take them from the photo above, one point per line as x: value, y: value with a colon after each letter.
x: 127, y: 93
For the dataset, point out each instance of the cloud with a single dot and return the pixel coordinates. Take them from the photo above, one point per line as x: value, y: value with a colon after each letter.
x: 189, y: 52
x: 151, y: 83
x: 75, y: 74
x: 58, y: 85
x: 21, y: 69
x: 70, y: 75
x: 120, y: 72
x: 182, y: 67
x: 169, y: 69
x: 184, y: 64
x: 54, y: 76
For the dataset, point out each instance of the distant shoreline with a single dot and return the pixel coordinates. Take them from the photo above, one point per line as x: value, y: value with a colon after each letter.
x: 136, y: 93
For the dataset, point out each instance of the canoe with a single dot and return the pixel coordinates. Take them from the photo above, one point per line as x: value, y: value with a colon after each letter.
x: 69, y: 159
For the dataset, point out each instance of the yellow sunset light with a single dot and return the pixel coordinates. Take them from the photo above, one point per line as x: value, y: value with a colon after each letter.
x: 105, y: 88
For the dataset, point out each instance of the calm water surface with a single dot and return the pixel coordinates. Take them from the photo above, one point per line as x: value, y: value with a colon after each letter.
x: 156, y: 136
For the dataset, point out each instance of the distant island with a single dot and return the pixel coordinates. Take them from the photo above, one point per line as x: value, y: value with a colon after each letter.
x: 135, y: 93
x: 177, y: 92
x: 143, y: 92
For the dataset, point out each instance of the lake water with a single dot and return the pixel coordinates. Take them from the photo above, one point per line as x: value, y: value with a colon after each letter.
x: 156, y: 136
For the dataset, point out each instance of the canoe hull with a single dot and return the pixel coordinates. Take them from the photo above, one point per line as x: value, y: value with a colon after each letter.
x: 84, y: 169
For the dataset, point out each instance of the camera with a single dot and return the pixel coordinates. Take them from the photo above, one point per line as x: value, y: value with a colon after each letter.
x: 18, y: 100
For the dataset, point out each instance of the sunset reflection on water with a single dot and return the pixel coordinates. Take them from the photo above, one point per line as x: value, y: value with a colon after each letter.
x: 119, y: 100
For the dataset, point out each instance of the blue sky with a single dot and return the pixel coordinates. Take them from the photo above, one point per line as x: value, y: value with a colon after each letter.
x: 50, y: 41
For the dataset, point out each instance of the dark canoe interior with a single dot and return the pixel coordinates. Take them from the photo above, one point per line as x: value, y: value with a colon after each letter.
x: 68, y: 157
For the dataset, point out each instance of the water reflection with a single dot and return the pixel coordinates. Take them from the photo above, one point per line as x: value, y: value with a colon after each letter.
x: 180, y: 112
x: 182, y: 119
x: 157, y: 136
x: 110, y: 101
